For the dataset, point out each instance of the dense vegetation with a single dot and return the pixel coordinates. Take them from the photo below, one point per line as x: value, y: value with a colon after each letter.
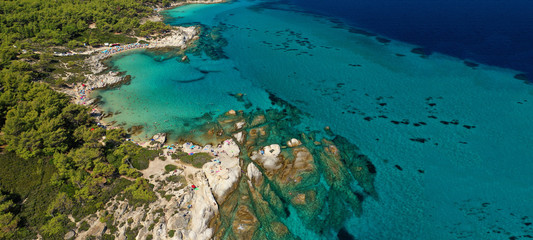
x: 197, y: 159
x: 63, y: 155
x: 28, y: 25
x: 54, y: 160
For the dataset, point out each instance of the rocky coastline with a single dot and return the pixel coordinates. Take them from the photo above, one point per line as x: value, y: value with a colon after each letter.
x: 252, y: 175
x: 180, y: 211
x: 259, y: 165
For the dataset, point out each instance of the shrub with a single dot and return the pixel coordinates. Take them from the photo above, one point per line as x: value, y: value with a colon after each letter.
x: 140, y: 193
x: 84, y: 226
x: 139, y: 157
x: 197, y: 159
x: 108, y: 237
x: 177, y: 179
x: 170, y: 168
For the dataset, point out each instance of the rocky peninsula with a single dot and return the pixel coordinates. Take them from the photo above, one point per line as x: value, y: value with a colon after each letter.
x: 258, y: 168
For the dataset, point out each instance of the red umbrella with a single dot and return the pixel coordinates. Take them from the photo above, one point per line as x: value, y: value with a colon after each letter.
x: 193, y: 186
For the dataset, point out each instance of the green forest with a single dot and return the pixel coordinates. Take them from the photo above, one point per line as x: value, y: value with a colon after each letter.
x: 53, y: 155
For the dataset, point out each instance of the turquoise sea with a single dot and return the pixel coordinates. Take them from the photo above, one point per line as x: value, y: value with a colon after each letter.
x: 451, y: 142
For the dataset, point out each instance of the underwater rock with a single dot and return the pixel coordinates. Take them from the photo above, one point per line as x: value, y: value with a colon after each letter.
x: 281, y: 178
x: 420, y: 140
x: 470, y: 64
x: 343, y: 234
x: 327, y: 129
x: 421, y: 51
x: 258, y: 120
x: 239, y: 96
x: 308, y: 197
x: 256, y: 136
x: 299, y: 199
x: 135, y: 130
x: 339, y: 177
x: 359, y: 165
x: 361, y: 32
x: 294, y: 143
x: 299, y: 164
x: 303, y: 160
x: 279, y: 228
x: 383, y: 40
x: 245, y: 223
x: 231, y: 122
x: 521, y: 76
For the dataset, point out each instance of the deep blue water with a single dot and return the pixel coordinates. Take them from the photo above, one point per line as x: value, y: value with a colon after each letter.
x: 492, y: 32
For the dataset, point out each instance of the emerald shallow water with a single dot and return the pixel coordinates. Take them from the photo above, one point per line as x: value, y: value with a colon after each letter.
x: 460, y: 135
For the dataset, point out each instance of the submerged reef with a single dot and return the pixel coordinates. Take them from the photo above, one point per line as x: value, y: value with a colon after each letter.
x: 320, y: 176
x: 210, y: 42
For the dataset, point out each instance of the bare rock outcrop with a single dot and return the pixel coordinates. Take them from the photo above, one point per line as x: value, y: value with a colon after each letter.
x: 294, y: 143
x: 254, y: 174
x: 203, y: 209
x: 223, y: 173
x: 268, y: 157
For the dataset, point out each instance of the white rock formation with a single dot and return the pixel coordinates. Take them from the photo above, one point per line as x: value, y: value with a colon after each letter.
x: 157, y: 142
x: 253, y: 173
x: 268, y: 157
x: 239, y: 137
x: 178, y: 37
x: 224, y: 172
x: 178, y: 207
x: 204, y: 207
x: 239, y: 125
x: 294, y: 143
